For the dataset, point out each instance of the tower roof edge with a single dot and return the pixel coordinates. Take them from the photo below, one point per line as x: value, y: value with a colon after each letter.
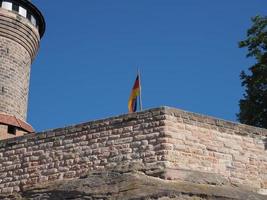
x: 37, y: 13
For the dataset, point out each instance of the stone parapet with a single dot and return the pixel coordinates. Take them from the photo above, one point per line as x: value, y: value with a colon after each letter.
x: 200, y: 143
x: 163, y: 142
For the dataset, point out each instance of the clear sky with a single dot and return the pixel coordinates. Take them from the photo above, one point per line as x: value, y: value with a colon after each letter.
x: 187, y: 51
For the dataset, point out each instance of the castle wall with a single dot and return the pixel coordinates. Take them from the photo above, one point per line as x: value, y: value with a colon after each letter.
x: 155, y: 141
x: 73, y: 151
x: 237, y: 152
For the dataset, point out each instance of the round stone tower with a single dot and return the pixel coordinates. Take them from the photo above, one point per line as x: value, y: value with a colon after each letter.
x: 21, y: 27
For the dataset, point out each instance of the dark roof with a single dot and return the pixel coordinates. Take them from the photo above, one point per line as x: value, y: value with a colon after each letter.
x: 37, y: 14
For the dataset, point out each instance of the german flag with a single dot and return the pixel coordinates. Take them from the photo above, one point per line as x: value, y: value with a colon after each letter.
x: 132, y: 103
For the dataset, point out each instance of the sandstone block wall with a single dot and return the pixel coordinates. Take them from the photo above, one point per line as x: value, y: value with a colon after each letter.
x: 156, y: 141
x: 73, y: 151
x: 205, y: 144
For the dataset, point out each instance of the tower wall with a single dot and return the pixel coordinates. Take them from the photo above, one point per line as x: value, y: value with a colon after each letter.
x: 21, y: 27
x: 165, y: 142
x: 19, y: 41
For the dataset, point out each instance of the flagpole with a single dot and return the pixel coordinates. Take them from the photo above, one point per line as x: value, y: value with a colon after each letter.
x: 140, y: 96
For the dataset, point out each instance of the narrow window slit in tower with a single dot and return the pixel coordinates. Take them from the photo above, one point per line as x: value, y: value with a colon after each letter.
x: 11, y: 129
x: 3, y: 90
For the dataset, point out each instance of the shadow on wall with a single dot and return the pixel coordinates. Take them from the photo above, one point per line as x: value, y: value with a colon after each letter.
x: 56, y: 194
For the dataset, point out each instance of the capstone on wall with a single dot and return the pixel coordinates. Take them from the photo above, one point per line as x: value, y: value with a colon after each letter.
x: 164, y: 142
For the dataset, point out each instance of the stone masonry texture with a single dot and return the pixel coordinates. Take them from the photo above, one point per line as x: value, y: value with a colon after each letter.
x: 163, y: 142
x: 19, y: 42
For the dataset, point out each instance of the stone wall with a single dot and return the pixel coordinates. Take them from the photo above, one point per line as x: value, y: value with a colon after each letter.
x: 163, y: 142
x: 73, y: 151
x: 205, y: 144
x: 19, y: 42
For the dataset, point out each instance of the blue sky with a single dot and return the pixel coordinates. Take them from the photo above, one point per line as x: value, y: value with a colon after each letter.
x: 187, y: 51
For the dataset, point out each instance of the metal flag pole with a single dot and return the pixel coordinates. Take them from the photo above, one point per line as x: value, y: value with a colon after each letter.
x: 140, y: 95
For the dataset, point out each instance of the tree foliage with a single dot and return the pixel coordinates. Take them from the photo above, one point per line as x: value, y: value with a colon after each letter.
x: 253, y: 106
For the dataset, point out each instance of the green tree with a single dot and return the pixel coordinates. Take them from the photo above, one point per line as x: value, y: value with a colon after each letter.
x: 253, y: 106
